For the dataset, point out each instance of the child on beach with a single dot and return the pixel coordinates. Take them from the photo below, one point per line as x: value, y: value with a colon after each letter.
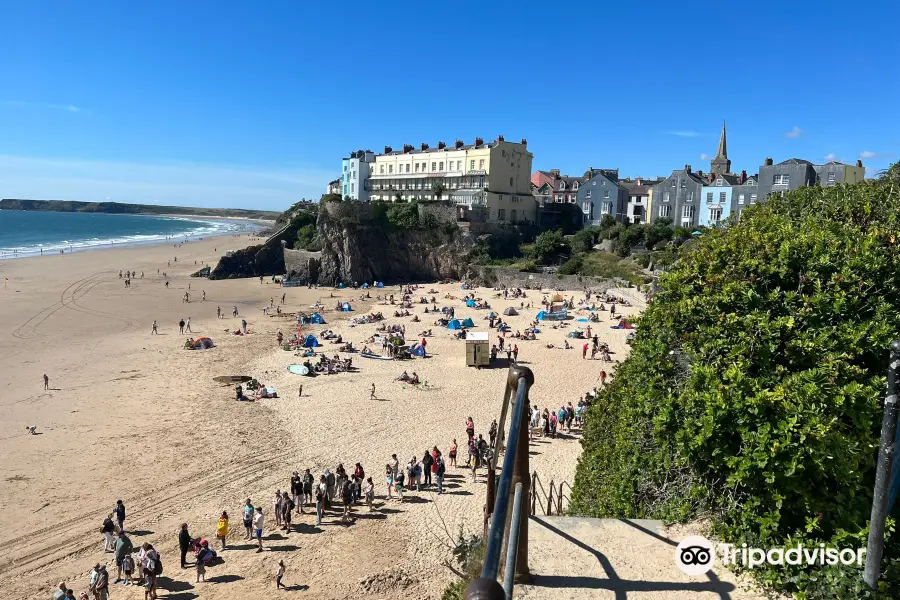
x: 452, y: 453
x: 128, y: 568
x: 279, y: 574
x: 370, y: 493
x: 222, y: 528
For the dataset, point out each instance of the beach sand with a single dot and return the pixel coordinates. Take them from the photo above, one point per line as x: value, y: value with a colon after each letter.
x: 133, y: 416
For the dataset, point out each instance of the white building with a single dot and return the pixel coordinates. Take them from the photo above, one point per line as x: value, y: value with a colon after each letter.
x: 355, y: 171
x: 487, y: 181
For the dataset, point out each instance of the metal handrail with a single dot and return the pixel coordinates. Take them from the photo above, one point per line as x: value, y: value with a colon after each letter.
x: 501, y: 507
x: 486, y: 587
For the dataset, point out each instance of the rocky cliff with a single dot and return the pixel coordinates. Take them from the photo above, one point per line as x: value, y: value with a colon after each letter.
x: 360, y: 250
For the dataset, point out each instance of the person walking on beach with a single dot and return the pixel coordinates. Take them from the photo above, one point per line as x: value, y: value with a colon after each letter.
x: 204, y: 296
x: 47, y: 383
x: 307, y: 489
x: 439, y: 474
x: 426, y: 468
x: 278, y: 575
x: 234, y: 312
x: 119, y: 511
x: 258, y: 523
x: 244, y: 325
x: 371, y: 396
x: 321, y: 492
x: 370, y: 494
x: 218, y: 312
x: 248, y: 519
x: 287, y: 505
x: 276, y: 508
x: 181, y: 326
x: 153, y: 330
x: 187, y: 326
x: 515, y: 352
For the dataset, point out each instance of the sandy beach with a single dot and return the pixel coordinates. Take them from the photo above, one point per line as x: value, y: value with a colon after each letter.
x: 133, y: 416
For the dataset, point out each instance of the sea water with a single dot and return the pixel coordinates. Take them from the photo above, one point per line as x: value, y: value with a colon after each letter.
x: 26, y: 233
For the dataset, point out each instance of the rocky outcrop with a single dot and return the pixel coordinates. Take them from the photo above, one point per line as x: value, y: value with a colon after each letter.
x: 360, y: 251
x: 263, y: 260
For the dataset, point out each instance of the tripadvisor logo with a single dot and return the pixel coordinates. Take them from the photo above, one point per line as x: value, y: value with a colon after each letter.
x: 696, y: 555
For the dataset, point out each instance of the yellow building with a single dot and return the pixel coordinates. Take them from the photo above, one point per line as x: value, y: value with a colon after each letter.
x: 487, y: 181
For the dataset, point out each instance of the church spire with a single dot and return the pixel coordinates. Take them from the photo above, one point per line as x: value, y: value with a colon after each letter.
x: 720, y: 164
x: 723, y: 146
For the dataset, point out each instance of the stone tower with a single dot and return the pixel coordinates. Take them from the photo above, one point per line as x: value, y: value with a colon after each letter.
x: 720, y: 164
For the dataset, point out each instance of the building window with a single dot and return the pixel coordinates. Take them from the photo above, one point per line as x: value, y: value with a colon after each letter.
x: 719, y: 183
x: 352, y: 188
x: 433, y: 166
x: 575, y: 186
x: 831, y: 178
x: 665, y: 196
x: 501, y: 214
x: 781, y: 180
x: 512, y: 215
x: 709, y: 197
x: 381, y: 169
x: 481, y: 184
x: 740, y: 198
x: 441, y: 166
x: 345, y: 168
x: 606, y: 194
x: 682, y: 184
x: 715, y: 215
x: 690, y: 196
x: 752, y: 198
x: 687, y: 212
x: 562, y: 185
x: 722, y: 196
x: 587, y: 195
x: 510, y: 182
x: 472, y: 165
x: 664, y: 211
x: 407, y: 167
x: 559, y: 198
x: 586, y: 206
x: 481, y: 164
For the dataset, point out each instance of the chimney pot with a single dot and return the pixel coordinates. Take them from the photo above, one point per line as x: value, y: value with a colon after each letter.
x: 524, y: 142
x: 687, y: 168
x: 459, y: 144
x: 441, y: 145
x: 637, y: 180
x: 859, y: 163
x: 388, y: 149
x: 500, y: 138
x: 424, y: 146
x: 478, y: 142
x: 769, y: 162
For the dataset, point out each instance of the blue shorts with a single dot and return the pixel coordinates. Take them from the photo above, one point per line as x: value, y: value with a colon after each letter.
x: 259, y: 533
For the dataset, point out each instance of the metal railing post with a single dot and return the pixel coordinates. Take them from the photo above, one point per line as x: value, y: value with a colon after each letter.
x: 512, y: 544
x: 875, y: 546
x: 515, y: 471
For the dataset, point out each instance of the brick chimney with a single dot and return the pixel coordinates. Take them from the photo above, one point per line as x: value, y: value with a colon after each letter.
x: 743, y: 177
x: 500, y: 138
x: 859, y: 163
x: 459, y: 144
x: 388, y: 149
x: 769, y: 162
x: 424, y: 146
x: 441, y: 145
x: 637, y: 180
x: 478, y: 142
x: 524, y: 142
x: 554, y: 172
x: 687, y: 168
x: 407, y: 148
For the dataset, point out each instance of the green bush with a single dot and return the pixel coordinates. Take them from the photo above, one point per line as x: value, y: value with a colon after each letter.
x: 572, y: 266
x: 753, y: 391
x: 548, y: 247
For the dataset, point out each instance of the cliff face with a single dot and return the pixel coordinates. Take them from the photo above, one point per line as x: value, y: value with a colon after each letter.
x: 355, y: 251
x: 253, y: 261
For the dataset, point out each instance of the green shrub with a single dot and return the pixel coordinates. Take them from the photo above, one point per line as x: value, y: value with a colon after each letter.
x: 753, y: 391
x: 572, y: 266
x: 548, y: 247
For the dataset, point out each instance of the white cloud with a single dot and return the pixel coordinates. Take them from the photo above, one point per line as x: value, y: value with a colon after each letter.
x: 705, y: 156
x: 683, y: 133
x: 794, y: 133
x: 867, y: 154
x: 65, y: 107
x: 830, y: 156
x: 185, y: 184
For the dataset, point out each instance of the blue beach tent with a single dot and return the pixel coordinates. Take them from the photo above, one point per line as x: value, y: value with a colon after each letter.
x: 468, y: 322
x: 379, y: 285
x: 311, y: 342
x: 317, y: 319
x: 470, y: 303
x: 454, y: 324
x: 346, y: 307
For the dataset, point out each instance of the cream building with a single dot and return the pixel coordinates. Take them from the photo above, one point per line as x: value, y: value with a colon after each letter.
x: 487, y: 181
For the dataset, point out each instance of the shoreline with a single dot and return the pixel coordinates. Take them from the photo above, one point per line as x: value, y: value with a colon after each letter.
x: 255, y: 225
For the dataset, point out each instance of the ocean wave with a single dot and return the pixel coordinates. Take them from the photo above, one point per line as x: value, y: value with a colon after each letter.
x: 198, y: 229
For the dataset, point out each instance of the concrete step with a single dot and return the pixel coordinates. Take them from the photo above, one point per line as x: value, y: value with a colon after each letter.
x: 576, y: 558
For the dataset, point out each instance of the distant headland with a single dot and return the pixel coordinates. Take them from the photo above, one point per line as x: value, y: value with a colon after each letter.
x: 119, y: 208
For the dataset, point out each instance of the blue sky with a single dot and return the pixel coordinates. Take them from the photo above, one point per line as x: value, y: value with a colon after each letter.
x: 253, y: 104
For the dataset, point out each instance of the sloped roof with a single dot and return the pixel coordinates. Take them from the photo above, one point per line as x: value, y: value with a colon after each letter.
x: 729, y: 178
x: 795, y: 161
